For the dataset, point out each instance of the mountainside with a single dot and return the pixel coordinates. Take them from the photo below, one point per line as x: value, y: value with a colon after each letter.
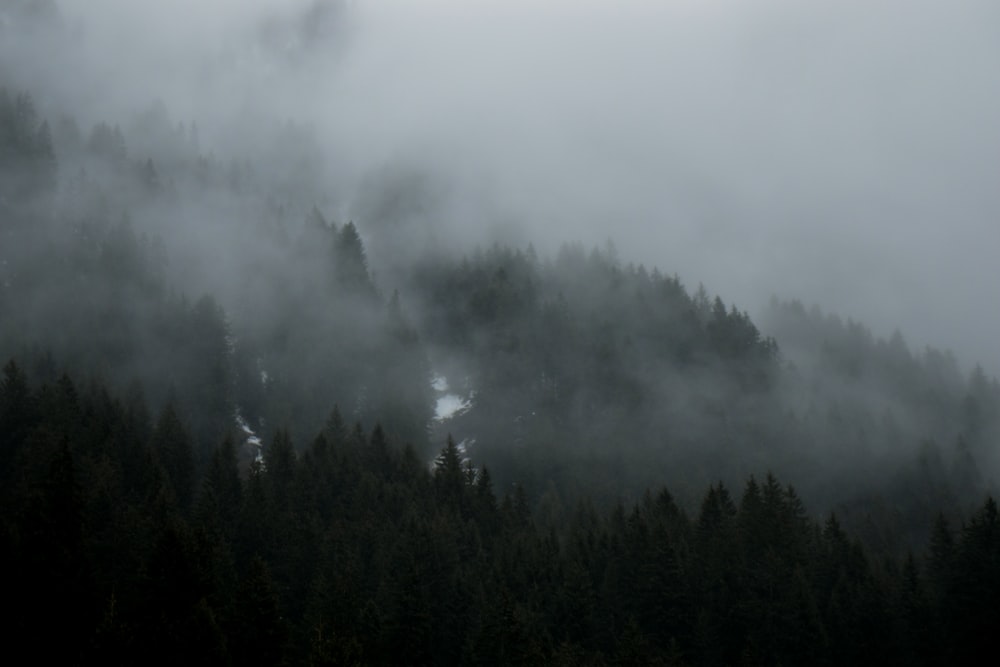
x: 473, y: 452
x: 217, y: 289
x: 199, y: 282
x: 350, y: 551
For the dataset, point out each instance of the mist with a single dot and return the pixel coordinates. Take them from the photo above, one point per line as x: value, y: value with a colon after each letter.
x: 419, y: 328
x: 841, y: 153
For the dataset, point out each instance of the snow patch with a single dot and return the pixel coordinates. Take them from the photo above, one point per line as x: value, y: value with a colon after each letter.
x: 250, y: 439
x: 463, y: 447
x: 439, y: 383
x: 450, y: 405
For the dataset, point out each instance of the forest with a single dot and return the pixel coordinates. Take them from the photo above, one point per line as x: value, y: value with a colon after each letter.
x: 238, y: 429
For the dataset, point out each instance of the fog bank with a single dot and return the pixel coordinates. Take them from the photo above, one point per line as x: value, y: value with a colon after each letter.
x: 844, y: 153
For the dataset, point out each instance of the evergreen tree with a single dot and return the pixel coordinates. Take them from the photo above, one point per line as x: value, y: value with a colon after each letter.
x: 17, y: 413
x: 172, y: 446
x: 449, y: 479
x: 350, y: 262
x: 258, y: 634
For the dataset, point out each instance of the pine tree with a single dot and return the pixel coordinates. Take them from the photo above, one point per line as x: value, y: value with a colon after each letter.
x: 258, y: 634
x: 350, y: 263
x: 448, y: 477
x: 17, y: 412
x: 172, y: 446
x: 280, y: 462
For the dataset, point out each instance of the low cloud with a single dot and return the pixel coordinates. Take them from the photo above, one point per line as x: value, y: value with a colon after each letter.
x: 844, y: 153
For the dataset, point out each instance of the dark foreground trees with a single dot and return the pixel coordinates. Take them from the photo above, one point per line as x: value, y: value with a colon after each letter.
x: 120, y: 546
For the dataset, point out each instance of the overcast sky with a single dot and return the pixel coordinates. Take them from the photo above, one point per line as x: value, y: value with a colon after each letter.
x: 842, y: 152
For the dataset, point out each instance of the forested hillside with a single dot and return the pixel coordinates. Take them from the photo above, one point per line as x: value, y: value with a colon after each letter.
x: 235, y: 428
x: 347, y: 550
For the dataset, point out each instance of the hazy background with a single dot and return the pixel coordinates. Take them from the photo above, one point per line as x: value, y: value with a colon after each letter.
x: 845, y: 153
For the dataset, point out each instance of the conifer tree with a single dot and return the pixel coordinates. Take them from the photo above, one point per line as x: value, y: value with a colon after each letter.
x: 173, y: 449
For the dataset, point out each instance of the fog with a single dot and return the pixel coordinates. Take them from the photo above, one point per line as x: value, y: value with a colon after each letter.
x: 313, y: 312
x: 843, y: 153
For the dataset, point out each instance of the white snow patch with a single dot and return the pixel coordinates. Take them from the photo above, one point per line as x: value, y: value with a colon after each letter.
x: 463, y: 447
x: 449, y: 405
x: 251, y: 439
x: 439, y: 383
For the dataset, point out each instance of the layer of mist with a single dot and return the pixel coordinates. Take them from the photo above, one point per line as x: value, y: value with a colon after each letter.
x: 387, y: 331
x: 268, y: 214
x: 842, y: 153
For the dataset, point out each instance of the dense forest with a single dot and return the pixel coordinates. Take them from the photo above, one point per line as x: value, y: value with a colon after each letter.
x: 235, y: 429
x: 348, y: 550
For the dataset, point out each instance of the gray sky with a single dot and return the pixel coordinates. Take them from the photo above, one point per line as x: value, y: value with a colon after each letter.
x: 843, y: 152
